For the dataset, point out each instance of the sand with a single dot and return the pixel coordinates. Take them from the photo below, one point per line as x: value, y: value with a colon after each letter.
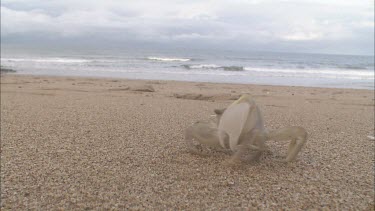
x: 88, y: 143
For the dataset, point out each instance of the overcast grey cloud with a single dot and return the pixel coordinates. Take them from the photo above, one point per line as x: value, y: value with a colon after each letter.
x: 295, y: 26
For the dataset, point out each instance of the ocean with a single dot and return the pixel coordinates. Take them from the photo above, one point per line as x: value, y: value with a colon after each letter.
x: 266, y: 68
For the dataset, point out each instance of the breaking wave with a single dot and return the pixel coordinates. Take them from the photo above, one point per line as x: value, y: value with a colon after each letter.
x: 167, y: 59
x: 352, y: 72
x: 283, y: 72
x: 357, y: 67
x: 213, y: 67
x: 315, y: 73
x: 45, y: 60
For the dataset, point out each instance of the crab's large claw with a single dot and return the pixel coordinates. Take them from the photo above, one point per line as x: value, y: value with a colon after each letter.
x: 240, y: 118
x: 232, y: 122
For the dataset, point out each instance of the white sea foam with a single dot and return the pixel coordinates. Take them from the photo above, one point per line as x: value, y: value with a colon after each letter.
x: 167, y: 59
x: 338, y: 72
x: 204, y: 66
x: 281, y: 72
x: 356, y: 72
x: 45, y: 60
x: 213, y: 66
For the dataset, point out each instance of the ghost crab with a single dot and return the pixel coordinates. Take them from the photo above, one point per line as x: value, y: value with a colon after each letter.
x: 240, y: 128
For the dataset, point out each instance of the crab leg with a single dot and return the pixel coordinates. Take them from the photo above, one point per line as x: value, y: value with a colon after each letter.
x: 297, y: 135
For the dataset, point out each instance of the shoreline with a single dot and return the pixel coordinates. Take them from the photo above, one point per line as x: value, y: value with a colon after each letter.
x: 93, y: 143
x: 186, y: 81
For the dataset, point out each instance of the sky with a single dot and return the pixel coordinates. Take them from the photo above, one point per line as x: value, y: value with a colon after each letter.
x: 311, y: 26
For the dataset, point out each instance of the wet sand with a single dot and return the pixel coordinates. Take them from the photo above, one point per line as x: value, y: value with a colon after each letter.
x: 89, y: 143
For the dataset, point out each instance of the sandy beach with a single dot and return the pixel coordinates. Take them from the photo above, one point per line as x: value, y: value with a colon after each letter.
x: 90, y: 143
